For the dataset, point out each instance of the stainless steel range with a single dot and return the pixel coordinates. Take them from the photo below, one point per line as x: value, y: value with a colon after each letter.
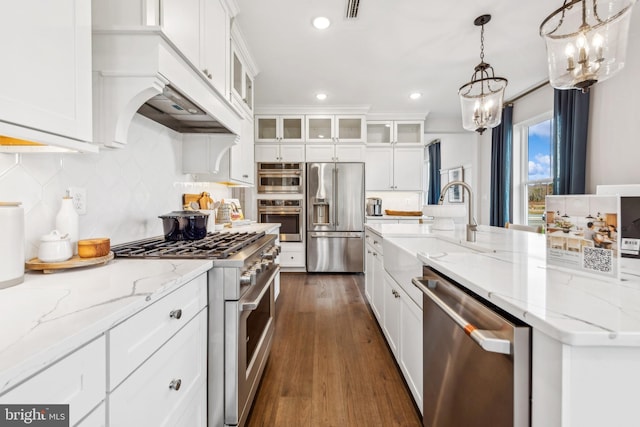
x: 241, y: 312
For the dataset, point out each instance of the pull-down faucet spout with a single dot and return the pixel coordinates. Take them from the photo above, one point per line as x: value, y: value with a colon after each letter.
x: 472, y: 227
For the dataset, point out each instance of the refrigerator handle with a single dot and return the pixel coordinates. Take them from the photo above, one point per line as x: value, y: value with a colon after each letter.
x: 335, y: 193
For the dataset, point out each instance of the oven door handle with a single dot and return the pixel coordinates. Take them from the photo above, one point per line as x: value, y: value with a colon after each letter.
x: 253, y: 304
x: 487, y: 340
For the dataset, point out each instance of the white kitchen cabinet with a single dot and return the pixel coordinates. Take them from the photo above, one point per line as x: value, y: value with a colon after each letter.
x: 180, y: 21
x: 292, y: 255
x: 335, y: 128
x: 335, y: 153
x: 279, y: 128
x: 395, y: 132
x: 46, y: 95
x: 241, y: 156
x: 391, y: 314
x: 279, y: 153
x: 377, y: 289
x: 394, y: 168
x: 373, y: 252
x: 223, y: 158
x: 77, y: 380
x: 169, y: 389
x: 410, y: 344
x: 241, y: 75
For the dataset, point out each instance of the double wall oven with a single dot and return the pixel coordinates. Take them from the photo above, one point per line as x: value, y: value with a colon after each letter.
x: 287, y: 212
x: 280, y: 178
x: 241, y: 312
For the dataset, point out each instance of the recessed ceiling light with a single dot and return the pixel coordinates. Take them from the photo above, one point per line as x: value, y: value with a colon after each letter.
x: 321, y: 96
x: 321, y: 22
x: 415, y: 95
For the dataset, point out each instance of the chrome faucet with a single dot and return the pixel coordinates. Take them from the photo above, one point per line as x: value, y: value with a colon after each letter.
x: 472, y: 227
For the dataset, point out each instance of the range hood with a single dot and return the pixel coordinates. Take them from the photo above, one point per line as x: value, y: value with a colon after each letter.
x: 140, y: 71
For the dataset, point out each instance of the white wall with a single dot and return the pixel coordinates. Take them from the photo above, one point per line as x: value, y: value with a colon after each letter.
x: 127, y: 188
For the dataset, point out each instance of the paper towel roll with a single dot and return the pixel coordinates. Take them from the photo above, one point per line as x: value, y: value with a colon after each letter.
x: 11, y: 244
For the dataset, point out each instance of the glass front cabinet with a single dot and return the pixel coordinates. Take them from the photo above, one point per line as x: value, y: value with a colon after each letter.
x: 277, y: 128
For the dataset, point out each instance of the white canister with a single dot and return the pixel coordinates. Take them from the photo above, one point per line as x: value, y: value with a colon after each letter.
x: 11, y: 244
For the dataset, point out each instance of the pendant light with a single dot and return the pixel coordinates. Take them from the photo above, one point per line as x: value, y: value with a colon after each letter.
x: 586, y: 41
x: 481, y: 99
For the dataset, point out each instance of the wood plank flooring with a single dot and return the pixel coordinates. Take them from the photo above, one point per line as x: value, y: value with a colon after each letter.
x: 329, y: 363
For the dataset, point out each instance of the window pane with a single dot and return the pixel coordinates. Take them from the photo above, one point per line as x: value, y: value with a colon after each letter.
x: 539, y: 170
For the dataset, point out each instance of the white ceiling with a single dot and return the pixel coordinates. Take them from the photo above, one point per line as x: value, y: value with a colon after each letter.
x: 393, y: 48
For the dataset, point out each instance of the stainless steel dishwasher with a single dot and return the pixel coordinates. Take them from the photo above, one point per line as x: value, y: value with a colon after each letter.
x: 476, y: 362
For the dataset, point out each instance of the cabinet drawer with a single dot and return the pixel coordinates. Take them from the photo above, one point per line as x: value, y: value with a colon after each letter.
x: 77, y: 380
x: 137, y: 338
x: 291, y: 259
x: 146, y: 398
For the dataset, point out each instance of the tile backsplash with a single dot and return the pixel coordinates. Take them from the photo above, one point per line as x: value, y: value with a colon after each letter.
x: 398, y: 200
x: 127, y: 188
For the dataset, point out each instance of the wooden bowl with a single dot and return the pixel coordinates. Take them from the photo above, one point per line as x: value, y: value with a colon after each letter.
x: 92, y: 248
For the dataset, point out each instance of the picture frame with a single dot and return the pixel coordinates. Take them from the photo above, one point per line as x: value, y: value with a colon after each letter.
x: 456, y: 193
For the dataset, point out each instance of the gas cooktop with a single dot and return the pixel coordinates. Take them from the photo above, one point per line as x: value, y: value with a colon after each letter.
x: 212, y: 246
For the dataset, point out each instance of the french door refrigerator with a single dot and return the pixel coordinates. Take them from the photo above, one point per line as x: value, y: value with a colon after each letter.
x: 335, y: 217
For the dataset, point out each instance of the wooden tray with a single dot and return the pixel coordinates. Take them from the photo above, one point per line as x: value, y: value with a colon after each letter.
x: 403, y: 213
x: 75, y: 262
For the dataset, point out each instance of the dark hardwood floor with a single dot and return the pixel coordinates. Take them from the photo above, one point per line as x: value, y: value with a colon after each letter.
x: 329, y: 364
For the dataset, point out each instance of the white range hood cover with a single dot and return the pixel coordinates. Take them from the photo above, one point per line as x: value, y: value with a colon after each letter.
x: 138, y: 68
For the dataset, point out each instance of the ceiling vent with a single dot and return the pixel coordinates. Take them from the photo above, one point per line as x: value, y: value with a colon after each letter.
x: 352, y: 8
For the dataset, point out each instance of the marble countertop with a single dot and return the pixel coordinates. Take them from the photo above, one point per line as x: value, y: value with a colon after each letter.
x: 50, y: 315
x: 510, y: 271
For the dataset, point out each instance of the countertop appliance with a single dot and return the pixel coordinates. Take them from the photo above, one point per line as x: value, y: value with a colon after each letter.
x: 287, y: 212
x: 286, y: 178
x: 476, y: 362
x: 241, y: 312
x: 335, y: 217
x: 374, y: 206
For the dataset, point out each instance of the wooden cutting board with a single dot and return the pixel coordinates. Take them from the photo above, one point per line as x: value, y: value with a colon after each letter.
x: 403, y: 213
x: 75, y: 262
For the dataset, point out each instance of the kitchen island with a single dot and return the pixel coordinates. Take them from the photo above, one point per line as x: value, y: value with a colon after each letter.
x: 586, y: 329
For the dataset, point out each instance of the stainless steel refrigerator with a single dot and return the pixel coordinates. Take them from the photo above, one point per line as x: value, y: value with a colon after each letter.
x: 335, y: 217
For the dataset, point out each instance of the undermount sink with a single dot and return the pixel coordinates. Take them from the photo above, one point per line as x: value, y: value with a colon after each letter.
x: 443, y: 215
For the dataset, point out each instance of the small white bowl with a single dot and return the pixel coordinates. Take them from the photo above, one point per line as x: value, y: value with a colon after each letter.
x: 54, y: 247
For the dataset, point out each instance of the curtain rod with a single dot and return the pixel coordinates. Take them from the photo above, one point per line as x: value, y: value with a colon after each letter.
x: 522, y: 95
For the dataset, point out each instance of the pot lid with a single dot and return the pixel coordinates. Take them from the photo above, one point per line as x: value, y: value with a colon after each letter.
x: 54, y: 236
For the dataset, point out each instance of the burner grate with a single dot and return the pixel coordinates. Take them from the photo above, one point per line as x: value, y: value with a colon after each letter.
x: 212, y: 246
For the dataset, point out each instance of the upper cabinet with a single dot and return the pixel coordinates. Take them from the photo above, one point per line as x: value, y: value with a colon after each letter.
x: 46, y: 92
x: 277, y: 128
x: 243, y: 71
x: 395, y: 132
x: 335, y: 128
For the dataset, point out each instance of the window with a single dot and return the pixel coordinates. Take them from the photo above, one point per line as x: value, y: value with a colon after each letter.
x: 534, y: 180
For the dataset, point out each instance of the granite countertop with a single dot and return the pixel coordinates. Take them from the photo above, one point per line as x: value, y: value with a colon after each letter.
x: 510, y: 271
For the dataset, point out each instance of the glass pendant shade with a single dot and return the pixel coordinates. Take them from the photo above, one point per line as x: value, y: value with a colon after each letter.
x: 586, y: 41
x: 481, y: 99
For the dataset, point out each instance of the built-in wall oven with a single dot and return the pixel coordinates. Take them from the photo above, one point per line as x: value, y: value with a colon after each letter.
x: 287, y: 212
x: 286, y: 178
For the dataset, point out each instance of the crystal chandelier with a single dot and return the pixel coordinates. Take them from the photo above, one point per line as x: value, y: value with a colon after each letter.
x: 586, y: 41
x: 481, y: 99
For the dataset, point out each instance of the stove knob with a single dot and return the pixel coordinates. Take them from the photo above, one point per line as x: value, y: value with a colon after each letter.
x: 257, y: 267
x: 246, y: 279
x: 266, y: 263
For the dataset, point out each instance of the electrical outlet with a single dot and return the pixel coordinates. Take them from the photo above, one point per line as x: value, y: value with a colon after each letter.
x: 79, y: 196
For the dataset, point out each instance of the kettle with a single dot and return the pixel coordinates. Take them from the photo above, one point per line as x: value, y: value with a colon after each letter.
x: 374, y: 206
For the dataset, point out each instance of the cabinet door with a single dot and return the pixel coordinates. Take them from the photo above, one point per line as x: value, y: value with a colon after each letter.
x: 391, y: 322
x: 237, y: 75
x: 350, y: 128
x: 292, y: 153
x: 378, y: 287
x: 267, y: 129
x: 409, y: 132
x: 267, y: 153
x: 369, y: 272
x: 407, y: 168
x: 319, y: 128
x: 379, y: 132
x: 180, y: 20
x: 292, y: 128
x: 379, y: 168
x: 411, y: 345
x: 215, y: 44
x: 320, y: 153
x: 46, y: 76
x: 349, y: 153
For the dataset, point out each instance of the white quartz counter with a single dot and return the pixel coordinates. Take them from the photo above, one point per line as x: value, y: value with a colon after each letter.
x: 511, y: 272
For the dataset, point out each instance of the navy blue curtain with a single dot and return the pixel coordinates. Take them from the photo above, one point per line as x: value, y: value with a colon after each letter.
x: 502, y: 169
x: 434, y: 173
x: 569, y: 140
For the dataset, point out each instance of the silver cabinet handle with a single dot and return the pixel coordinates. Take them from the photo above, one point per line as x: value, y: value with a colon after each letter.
x: 375, y: 254
x: 245, y: 176
x: 368, y: 251
x: 207, y: 73
x: 176, y: 314
x: 175, y: 384
x: 485, y: 339
x: 395, y: 293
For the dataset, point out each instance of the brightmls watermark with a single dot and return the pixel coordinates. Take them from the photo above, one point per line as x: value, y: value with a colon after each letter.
x: 34, y: 415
